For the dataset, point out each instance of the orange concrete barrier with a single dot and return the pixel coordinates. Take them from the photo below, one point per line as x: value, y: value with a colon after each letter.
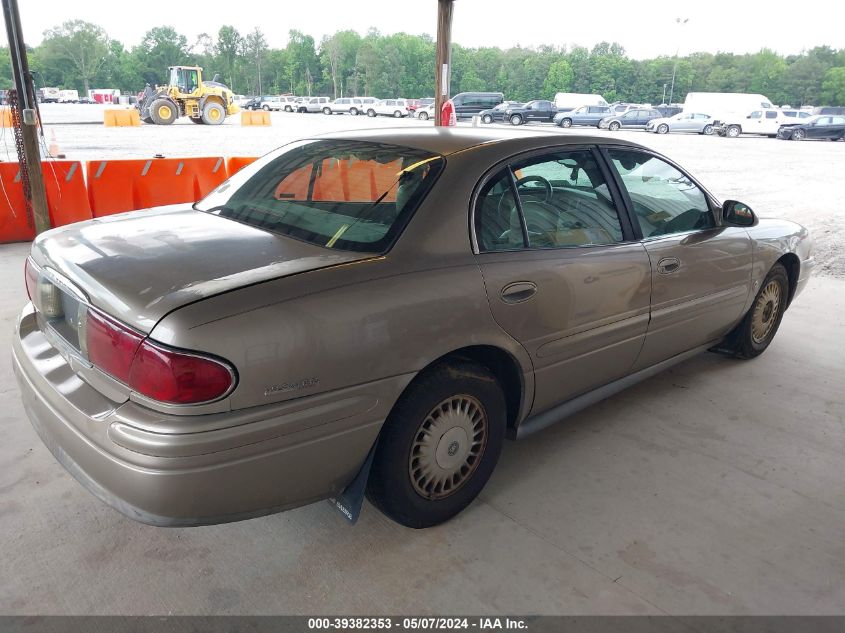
x: 255, y: 117
x: 115, y: 186
x: 67, y: 198
x: 5, y: 117
x: 121, y: 118
x: 235, y: 163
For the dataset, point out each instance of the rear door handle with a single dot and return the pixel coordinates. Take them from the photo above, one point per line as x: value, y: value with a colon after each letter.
x: 668, y: 265
x: 518, y: 291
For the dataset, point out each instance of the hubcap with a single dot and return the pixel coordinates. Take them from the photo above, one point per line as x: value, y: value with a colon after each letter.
x: 448, y: 447
x: 765, y: 312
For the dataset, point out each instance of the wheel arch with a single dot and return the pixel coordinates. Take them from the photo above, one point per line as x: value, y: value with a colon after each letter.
x: 504, y: 367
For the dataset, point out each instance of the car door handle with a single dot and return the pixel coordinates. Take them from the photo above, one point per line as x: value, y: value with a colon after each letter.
x: 518, y: 291
x: 668, y: 265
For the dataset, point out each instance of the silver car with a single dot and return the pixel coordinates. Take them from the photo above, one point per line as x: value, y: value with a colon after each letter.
x: 377, y: 311
x: 691, y: 122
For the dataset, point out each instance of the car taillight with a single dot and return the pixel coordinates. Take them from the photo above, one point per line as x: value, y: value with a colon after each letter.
x: 152, y: 370
x: 110, y: 345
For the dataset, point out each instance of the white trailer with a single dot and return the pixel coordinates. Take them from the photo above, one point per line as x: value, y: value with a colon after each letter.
x: 565, y: 101
x: 726, y: 105
x: 49, y: 95
x: 68, y: 96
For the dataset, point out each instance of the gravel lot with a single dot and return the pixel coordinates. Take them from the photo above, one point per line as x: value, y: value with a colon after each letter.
x: 798, y: 181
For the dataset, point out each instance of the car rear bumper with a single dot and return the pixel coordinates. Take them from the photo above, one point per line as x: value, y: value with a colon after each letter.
x: 253, y: 462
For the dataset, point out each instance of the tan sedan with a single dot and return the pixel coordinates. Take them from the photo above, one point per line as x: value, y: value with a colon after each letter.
x: 377, y: 311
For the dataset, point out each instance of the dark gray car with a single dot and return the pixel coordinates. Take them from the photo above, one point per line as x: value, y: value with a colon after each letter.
x: 585, y: 115
x: 378, y: 310
x: 632, y: 119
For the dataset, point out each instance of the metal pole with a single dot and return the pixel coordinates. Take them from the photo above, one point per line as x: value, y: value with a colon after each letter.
x: 29, y: 124
x: 680, y: 22
x: 442, y: 66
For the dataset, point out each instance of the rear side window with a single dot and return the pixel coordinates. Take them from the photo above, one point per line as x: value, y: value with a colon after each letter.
x: 348, y: 195
x: 665, y: 200
x: 771, y: 115
x: 562, y: 200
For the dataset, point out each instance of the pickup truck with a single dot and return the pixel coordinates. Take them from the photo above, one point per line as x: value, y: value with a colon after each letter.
x: 764, y: 122
x: 533, y: 111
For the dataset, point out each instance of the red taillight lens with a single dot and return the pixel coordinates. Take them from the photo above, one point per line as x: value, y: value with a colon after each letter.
x: 111, y: 346
x: 31, y: 278
x: 152, y: 370
x: 177, y: 377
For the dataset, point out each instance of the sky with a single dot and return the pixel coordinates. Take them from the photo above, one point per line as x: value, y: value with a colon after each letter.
x: 735, y: 26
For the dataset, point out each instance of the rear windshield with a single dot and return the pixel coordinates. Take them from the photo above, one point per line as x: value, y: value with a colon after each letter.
x: 346, y: 195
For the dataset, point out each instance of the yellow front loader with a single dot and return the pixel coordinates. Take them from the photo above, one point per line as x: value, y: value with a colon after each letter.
x: 186, y: 94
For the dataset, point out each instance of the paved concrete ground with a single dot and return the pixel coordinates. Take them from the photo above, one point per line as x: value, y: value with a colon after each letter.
x: 713, y: 488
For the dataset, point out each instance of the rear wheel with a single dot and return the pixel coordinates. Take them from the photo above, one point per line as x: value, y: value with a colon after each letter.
x: 662, y: 129
x: 439, y: 445
x: 799, y: 135
x: 213, y: 113
x: 756, y: 331
x: 163, y: 112
x: 265, y: 107
x: 397, y: 114
x: 487, y: 119
x: 353, y: 111
x: 327, y: 110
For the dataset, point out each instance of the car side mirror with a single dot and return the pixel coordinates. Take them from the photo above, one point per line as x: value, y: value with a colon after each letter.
x: 738, y: 213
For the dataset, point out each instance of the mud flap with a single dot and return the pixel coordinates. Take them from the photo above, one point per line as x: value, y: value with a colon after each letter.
x: 351, y: 500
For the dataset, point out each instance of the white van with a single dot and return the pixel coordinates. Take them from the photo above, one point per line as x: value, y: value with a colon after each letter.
x: 726, y: 105
x: 565, y: 101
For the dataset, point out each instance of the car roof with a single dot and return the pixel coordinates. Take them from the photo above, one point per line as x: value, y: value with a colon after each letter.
x: 445, y: 141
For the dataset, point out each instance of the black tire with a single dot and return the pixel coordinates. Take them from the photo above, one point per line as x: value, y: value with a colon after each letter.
x: 708, y: 130
x: 213, y: 113
x: 733, y: 131
x: 423, y: 116
x: 397, y: 114
x: 163, y: 111
x: 327, y: 110
x: 487, y: 119
x: 566, y: 123
x: 197, y: 120
x: 265, y: 107
x: 353, y: 111
x: 516, y: 119
x: 392, y: 488
x: 614, y: 126
x: 742, y: 341
x: 662, y: 129
x: 799, y: 135
x: 371, y: 112
x: 148, y: 120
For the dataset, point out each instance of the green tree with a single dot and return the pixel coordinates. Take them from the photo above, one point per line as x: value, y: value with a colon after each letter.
x: 229, y: 51
x: 833, y: 87
x: 255, y: 49
x: 558, y: 79
x: 338, y: 54
x: 161, y: 47
x: 79, y: 48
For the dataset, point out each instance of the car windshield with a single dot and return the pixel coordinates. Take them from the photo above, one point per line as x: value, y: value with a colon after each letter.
x: 347, y: 195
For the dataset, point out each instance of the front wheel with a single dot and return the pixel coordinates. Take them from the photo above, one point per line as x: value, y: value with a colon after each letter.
x: 487, y: 119
x: 327, y: 110
x: 371, y: 112
x: 733, y: 131
x: 397, y: 115
x: 662, y: 129
x: 566, y: 123
x: 614, y: 126
x: 439, y: 445
x: 213, y: 113
x: 756, y: 331
x: 353, y: 111
x: 799, y: 135
x: 423, y: 116
x: 516, y: 120
x: 265, y: 107
x: 708, y: 130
